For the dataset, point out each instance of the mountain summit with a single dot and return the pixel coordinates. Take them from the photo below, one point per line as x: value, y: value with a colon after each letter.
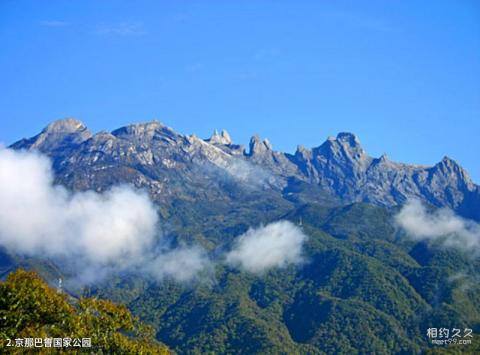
x: 173, y: 166
x: 57, y: 135
x: 223, y: 138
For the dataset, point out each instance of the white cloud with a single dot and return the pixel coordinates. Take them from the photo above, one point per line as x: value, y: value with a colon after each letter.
x: 182, y: 264
x: 277, y: 244
x: 122, y: 29
x: 442, y: 225
x: 97, y: 233
x: 253, y: 175
x: 465, y: 281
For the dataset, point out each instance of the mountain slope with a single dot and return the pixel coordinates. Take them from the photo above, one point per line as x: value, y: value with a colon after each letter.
x: 363, y: 287
x: 173, y: 166
x: 361, y: 290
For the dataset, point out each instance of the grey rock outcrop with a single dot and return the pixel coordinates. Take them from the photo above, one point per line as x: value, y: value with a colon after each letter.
x: 223, y: 138
x: 60, y: 134
x: 173, y: 166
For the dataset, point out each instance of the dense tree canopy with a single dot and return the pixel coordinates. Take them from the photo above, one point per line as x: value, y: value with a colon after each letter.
x: 29, y: 308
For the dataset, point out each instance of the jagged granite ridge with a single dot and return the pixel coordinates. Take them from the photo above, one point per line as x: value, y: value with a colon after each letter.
x: 171, y: 166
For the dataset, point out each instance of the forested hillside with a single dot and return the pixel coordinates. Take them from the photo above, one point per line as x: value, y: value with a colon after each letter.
x: 30, y: 309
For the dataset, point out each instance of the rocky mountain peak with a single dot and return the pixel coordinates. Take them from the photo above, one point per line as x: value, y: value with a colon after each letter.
x: 448, y: 165
x: 157, y: 155
x: 383, y: 159
x: 60, y: 134
x: 449, y: 170
x: 259, y: 147
x: 447, y: 161
x: 345, y: 147
x: 267, y: 144
x: 303, y: 153
x: 223, y: 138
x: 102, y: 136
x: 226, y: 137
x: 138, y: 129
x: 66, y: 125
x: 348, y: 138
x: 143, y: 134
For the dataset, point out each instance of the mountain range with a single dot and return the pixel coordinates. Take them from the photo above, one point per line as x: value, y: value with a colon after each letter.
x: 363, y: 286
x: 172, y: 166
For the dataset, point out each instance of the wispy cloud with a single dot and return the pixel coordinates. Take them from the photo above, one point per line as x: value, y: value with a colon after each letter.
x: 465, y: 281
x: 122, y: 29
x: 94, y: 234
x: 442, y: 225
x: 181, y: 264
x: 254, y: 176
x: 97, y: 235
x: 275, y: 245
x: 53, y: 23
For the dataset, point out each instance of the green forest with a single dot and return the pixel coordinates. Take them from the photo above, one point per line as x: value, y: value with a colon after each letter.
x: 29, y: 308
x: 363, y: 288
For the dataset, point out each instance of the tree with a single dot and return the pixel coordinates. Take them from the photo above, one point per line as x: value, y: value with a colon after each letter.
x: 29, y: 308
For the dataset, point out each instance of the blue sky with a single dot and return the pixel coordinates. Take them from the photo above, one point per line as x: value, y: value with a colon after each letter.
x: 403, y: 75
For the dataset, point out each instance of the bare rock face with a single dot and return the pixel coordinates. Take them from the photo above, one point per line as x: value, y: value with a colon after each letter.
x: 223, y: 138
x: 57, y: 135
x: 342, y: 166
x: 172, y: 166
x: 259, y: 147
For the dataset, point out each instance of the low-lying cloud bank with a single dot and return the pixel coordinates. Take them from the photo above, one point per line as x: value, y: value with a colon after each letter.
x: 96, y: 233
x: 182, y: 264
x: 277, y: 244
x: 248, y: 173
x: 442, y: 225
